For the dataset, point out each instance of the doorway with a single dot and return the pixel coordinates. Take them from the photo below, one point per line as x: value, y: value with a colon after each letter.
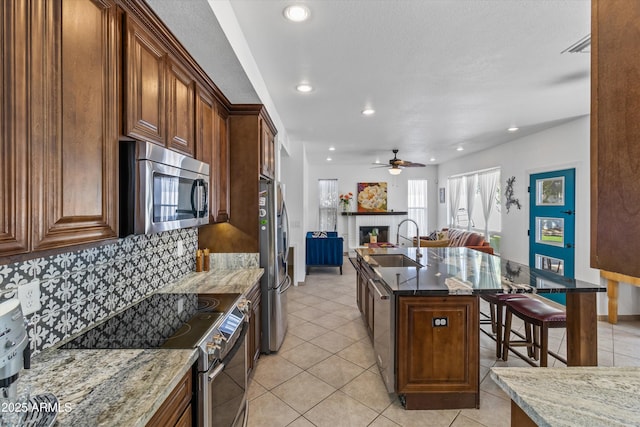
x: 552, y: 224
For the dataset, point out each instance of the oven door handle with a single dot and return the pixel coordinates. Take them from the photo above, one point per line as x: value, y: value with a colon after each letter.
x: 239, y: 343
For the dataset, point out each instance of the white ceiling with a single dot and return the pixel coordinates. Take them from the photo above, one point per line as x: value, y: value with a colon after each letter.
x: 439, y: 73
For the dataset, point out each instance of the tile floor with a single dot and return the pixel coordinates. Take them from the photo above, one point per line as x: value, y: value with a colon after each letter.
x: 325, y: 373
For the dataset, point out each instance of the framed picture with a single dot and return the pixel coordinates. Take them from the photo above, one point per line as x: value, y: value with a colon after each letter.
x: 372, y: 197
x: 442, y: 195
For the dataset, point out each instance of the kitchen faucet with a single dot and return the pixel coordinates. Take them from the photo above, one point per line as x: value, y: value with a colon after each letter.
x: 418, y: 254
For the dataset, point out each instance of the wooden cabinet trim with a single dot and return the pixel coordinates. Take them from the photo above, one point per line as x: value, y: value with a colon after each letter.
x: 172, y: 409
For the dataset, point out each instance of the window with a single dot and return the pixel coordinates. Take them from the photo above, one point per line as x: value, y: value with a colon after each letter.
x: 474, y: 201
x: 417, y: 202
x: 328, y: 204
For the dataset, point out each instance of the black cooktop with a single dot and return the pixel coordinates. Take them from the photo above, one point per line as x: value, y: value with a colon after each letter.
x: 160, y: 320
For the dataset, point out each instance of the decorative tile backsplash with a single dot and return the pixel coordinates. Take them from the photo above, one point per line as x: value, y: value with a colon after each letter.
x: 78, y: 289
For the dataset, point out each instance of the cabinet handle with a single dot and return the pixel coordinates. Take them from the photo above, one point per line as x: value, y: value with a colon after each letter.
x: 381, y: 296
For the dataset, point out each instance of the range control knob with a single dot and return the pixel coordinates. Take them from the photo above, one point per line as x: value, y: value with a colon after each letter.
x: 244, y: 305
x: 213, y: 349
x: 219, y: 340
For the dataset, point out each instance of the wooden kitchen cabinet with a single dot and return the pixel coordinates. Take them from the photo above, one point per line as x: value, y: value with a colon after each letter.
x: 254, y: 334
x: 146, y: 109
x: 267, y: 151
x: 212, y: 143
x: 438, y: 366
x: 615, y: 125
x: 63, y: 119
x: 176, y: 410
x: 180, y: 109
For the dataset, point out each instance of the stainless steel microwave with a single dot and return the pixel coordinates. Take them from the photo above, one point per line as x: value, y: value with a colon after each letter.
x: 160, y: 189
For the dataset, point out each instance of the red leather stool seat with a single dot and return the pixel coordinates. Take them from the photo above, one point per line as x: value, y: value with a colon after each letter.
x: 538, y: 318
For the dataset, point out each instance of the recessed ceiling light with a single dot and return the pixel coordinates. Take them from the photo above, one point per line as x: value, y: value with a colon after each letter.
x: 329, y: 159
x: 368, y: 111
x: 433, y: 159
x: 304, y: 88
x: 297, y: 13
x: 459, y: 149
x: 332, y: 148
x: 513, y: 129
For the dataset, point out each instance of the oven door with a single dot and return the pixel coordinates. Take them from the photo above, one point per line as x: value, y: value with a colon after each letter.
x: 222, y: 390
x: 170, y: 198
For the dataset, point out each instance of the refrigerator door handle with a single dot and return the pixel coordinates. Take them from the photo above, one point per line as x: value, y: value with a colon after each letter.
x: 285, y: 215
x: 285, y: 286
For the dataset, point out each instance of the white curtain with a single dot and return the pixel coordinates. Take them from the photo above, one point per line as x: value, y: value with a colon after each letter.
x: 455, y: 191
x: 417, y: 203
x: 472, y: 185
x: 488, y: 182
x: 328, y: 204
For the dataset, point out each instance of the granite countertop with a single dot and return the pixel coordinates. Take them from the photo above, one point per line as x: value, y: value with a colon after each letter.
x: 472, y: 271
x: 124, y: 387
x: 218, y: 281
x: 574, y: 396
x: 107, y: 387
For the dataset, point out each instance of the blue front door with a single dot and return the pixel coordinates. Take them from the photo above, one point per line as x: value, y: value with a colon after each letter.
x: 552, y: 214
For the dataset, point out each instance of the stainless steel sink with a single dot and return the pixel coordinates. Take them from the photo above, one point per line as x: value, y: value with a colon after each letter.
x: 394, y: 261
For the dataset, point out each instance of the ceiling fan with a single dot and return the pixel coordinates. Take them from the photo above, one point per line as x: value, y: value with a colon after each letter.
x: 396, y: 164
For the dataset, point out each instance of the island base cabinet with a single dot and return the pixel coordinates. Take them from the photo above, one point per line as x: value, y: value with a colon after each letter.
x: 437, y: 352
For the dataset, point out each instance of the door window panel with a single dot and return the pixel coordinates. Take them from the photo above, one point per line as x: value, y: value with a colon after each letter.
x: 545, y: 262
x: 550, y: 191
x: 550, y: 231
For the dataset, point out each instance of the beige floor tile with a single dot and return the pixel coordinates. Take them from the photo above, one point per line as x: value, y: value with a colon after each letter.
x: 268, y: 410
x: 303, y: 392
x: 255, y: 390
x: 383, y: 422
x: 290, y: 341
x: 370, y: 390
x: 626, y: 344
x: 293, y: 320
x: 354, y: 329
x: 361, y: 353
x: 311, y: 300
x: 462, y: 421
x: 329, y: 321
x: 301, y: 422
x: 348, y: 313
x: 494, y: 411
x: 434, y: 418
x: 340, y: 410
x: 347, y: 300
x: 488, y: 385
x: 624, y: 360
x: 307, y: 331
x: 294, y: 306
x: 336, y: 371
x: 309, y: 313
x: 305, y: 355
x: 273, y: 370
x: 332, y: 341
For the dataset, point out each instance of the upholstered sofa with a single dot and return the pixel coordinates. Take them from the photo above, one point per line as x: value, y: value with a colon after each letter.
x: 453, y: 237
x: 324, y: 249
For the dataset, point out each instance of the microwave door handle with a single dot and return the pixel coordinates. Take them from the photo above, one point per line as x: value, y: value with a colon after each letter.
x: 205, y: 198
x: 194, y: 208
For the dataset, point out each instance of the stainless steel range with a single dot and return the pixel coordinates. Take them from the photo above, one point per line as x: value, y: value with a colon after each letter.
x: 215, y: 324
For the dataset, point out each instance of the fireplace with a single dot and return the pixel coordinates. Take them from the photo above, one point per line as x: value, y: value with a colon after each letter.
x: 383, y: 233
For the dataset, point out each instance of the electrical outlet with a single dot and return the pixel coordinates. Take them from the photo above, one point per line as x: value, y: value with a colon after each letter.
x: 440, y: 322
x: 180, y: 248
x: 29, y: 296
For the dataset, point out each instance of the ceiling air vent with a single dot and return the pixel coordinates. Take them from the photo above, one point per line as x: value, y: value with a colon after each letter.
x: 581, y: 46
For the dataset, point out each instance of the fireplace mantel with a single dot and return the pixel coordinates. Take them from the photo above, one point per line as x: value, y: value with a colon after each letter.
x: 373, y: 213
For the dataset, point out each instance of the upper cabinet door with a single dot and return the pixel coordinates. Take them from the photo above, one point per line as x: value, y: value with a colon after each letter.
x: 615, y: 126
x: 74, y: 103
x: 145, y: 79
x: 14, y: 113
x: 223, y: 213
x: 205, y: 142
x: 181, y: 109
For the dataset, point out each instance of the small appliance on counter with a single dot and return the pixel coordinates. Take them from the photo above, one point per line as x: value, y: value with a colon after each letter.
x: 15, y: 354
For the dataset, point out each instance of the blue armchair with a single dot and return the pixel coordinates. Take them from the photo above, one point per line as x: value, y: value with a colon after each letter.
x: 324, y: 249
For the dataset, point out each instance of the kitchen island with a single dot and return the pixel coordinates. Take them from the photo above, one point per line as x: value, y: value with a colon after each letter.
x: 422, y: 314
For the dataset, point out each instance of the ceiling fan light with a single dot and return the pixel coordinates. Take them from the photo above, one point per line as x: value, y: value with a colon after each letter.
x: 395, y: 171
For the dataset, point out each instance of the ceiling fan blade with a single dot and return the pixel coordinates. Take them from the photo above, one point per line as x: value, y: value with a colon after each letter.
x: 409, y: 164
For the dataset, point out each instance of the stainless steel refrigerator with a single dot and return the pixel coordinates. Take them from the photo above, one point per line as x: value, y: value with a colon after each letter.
x: 274, y: 250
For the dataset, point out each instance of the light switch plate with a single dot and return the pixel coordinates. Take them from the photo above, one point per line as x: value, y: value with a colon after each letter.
x: 29, y: 297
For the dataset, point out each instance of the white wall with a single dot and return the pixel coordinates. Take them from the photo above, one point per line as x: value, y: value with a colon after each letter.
x: 349, y: 176
x: 561, y: 147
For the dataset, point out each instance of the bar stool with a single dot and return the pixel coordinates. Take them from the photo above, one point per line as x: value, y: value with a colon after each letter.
x: 496, y: 306
x: 534, y: 313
